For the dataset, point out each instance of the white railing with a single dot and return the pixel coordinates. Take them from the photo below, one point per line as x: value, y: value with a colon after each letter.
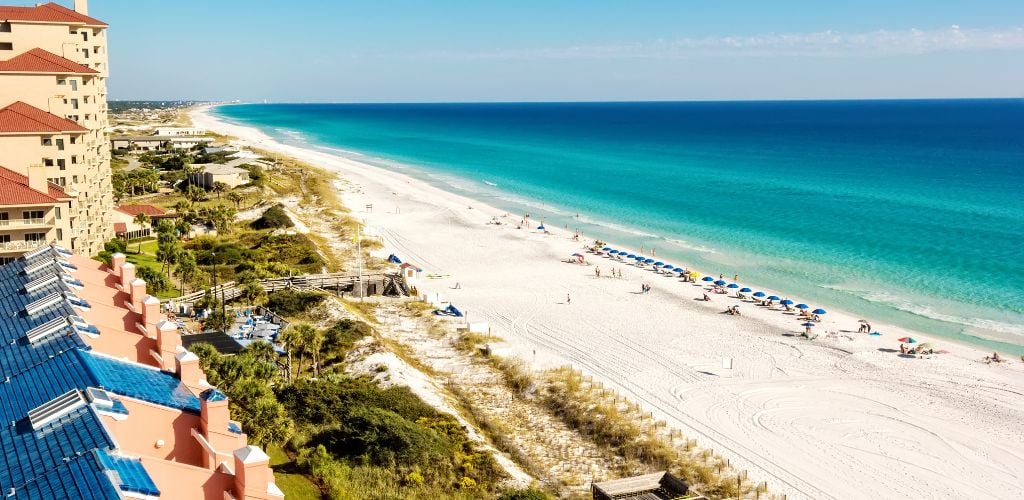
x: 23, y: 222
x: 21, y: 245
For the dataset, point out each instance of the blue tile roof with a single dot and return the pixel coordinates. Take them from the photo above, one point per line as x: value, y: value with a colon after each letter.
x: 213, y: 394
x: 81, y: 478
x: 132, y: 476
x: 140, y: 382
x: 29, y: 454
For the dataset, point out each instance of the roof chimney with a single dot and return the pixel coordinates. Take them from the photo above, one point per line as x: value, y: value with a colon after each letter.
x: 253, y: 479
x: 127, y: 274
x: 82, y: 7
x: 115, y: 263
x: 37, y: 178
x: 168, y: 339
x: 215, y: 420
x: 151, y: 316
x: 138, y: 293
x: 189, y: 371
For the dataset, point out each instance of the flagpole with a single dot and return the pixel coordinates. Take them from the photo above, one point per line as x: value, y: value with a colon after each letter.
x: 359, y: 253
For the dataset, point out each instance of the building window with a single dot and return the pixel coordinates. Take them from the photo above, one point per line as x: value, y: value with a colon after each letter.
x: 56, y: 213
x: 74, y: 103
x: 47, y: 141
x: 48, y: 162
x: 60, y: 144
x: 74, y: 178
x: 35, y: 236
x: 74, y: 160
x: 32, y: 214
x: 85, y: 53
x: 61, y: 81
x: 61, y: 164
x: 74, y: 84
x: 85, y: 36
x: 74, y: 140
x: 60, y: 234
x: 5, y: 238
x: 5, y: 27
x: 6, y: 46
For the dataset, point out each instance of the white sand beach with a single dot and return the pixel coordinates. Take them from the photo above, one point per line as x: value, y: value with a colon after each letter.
x: 843, y: 417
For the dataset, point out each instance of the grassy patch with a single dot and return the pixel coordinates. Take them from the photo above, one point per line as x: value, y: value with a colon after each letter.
x: 293, y: 483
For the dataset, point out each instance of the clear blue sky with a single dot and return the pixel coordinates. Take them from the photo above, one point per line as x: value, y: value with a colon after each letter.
x: 528, y: 50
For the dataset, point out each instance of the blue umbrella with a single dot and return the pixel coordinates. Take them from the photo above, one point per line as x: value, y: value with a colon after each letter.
x: 733, y: 285
x: 678, y: 270
x: 648, y: 261
x: 745, y: 290
x: 667, y: 265
x: 773, y: 297
x: 659, y: 264
x: 638, y: 257
x: 631, y: 256
x: 808, y: 325
x: 786, y: 302
x: 819, y: 311
x: 540, y: 227
x: 802, y: 306
x: 605, y: 248
x: 613, y: 252
x: 758, y: 294
x: 707, y: 278
x: 719, y: 282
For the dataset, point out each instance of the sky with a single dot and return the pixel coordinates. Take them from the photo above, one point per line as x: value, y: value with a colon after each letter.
x: 570, y: 50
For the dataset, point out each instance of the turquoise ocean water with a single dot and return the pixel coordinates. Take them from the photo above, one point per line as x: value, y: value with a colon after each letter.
x: 910, y: 212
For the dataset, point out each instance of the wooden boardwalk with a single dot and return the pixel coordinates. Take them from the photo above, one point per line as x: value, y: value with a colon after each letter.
x: 336, y: 282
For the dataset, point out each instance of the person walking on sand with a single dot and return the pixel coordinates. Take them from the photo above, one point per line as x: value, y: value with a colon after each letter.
x: 597, y: 271
x: 735, y: 278
x: 568, y: 299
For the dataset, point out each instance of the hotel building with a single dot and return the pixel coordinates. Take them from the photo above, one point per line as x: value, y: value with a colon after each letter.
x: 53, y: 112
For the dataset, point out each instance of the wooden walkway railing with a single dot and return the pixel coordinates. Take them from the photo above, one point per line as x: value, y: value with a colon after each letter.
x: 331, y: 281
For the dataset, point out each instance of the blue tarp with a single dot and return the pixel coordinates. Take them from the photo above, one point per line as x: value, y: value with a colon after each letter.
x: 394, y: 259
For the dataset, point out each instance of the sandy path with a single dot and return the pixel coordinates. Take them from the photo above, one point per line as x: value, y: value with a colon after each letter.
x: 832, y: 418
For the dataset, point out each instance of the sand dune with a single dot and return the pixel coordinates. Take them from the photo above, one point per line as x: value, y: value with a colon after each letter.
x: 842, y: 417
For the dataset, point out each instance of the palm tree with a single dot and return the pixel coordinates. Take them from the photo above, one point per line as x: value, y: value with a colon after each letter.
x: 142, y: 220
x: 220, y: 187
x: 301, y: 333
x: 262, y: 351
x: 253, y: 292
x: 186, y: 267
x: 235, y: 198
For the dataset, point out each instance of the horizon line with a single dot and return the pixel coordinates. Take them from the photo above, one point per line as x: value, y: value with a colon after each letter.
x: 609, y: 101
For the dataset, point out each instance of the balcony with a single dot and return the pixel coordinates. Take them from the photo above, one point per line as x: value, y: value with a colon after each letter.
x: 25, y: 223
x: 20, y: 246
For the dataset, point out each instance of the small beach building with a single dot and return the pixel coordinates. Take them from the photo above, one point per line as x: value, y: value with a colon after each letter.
x: 125, y: 226
x: 411, y: 273
x: 179, y: 131
x: 209, y: 173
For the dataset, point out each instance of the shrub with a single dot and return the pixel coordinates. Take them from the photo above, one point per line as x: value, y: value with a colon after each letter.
x: 273, y: 218
x: 527, y: 494
x: 156, y: 282
x: 292, y: 302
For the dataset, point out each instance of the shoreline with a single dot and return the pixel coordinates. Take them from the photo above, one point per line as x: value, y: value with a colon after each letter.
x: 667, y: 354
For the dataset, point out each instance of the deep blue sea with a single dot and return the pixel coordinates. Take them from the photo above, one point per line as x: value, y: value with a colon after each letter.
x: 910, y: 212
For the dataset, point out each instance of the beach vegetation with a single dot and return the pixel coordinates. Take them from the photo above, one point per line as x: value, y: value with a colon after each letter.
x: 274, y: 217
x: 294, y: 302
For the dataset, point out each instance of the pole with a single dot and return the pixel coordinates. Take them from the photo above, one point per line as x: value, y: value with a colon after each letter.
x: 359, y: 253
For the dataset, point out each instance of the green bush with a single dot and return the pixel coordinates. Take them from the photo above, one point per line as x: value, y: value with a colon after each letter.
x: 527, y: 494
x: 273, y: 218
x: 156, y: 282
x: 292, y: 302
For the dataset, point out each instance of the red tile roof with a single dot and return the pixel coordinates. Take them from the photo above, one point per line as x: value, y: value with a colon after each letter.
x: 14, y: 190
x: 40, y: 61
x: 120, y: 227
x: 22, y: 118
x: 134, y: 210
x: 55, y: 191
x: 48, y: 13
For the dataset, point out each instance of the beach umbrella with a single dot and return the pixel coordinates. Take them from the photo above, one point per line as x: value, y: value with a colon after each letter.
x: 667, y: 265
x: 819, y: 311
x: 719, y: 282
x: 733, y: 285
x: 613, y: 252
x: 707, y: 278
x: 862, y: 321
x: 659, y: 264
x: 802, y: 306
x: 605, y: 248
x: 541, y: 228
x: 773, y: 297
x: 908, y: 340
x: 758, y: 294
x: 631, y: 256
x: 745, y: 290
x: 808, y: 324
x: 677, y: 270
x: 786, y: 302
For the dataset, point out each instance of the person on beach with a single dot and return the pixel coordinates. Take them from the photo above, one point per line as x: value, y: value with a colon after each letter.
x: 903, y: 348
x: 568, y: 299
x: 735, y: 278
x: 707, y: 298
x: 597, y: 271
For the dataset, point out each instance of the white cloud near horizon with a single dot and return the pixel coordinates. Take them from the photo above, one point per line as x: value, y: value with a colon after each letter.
x: 817, y: 44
